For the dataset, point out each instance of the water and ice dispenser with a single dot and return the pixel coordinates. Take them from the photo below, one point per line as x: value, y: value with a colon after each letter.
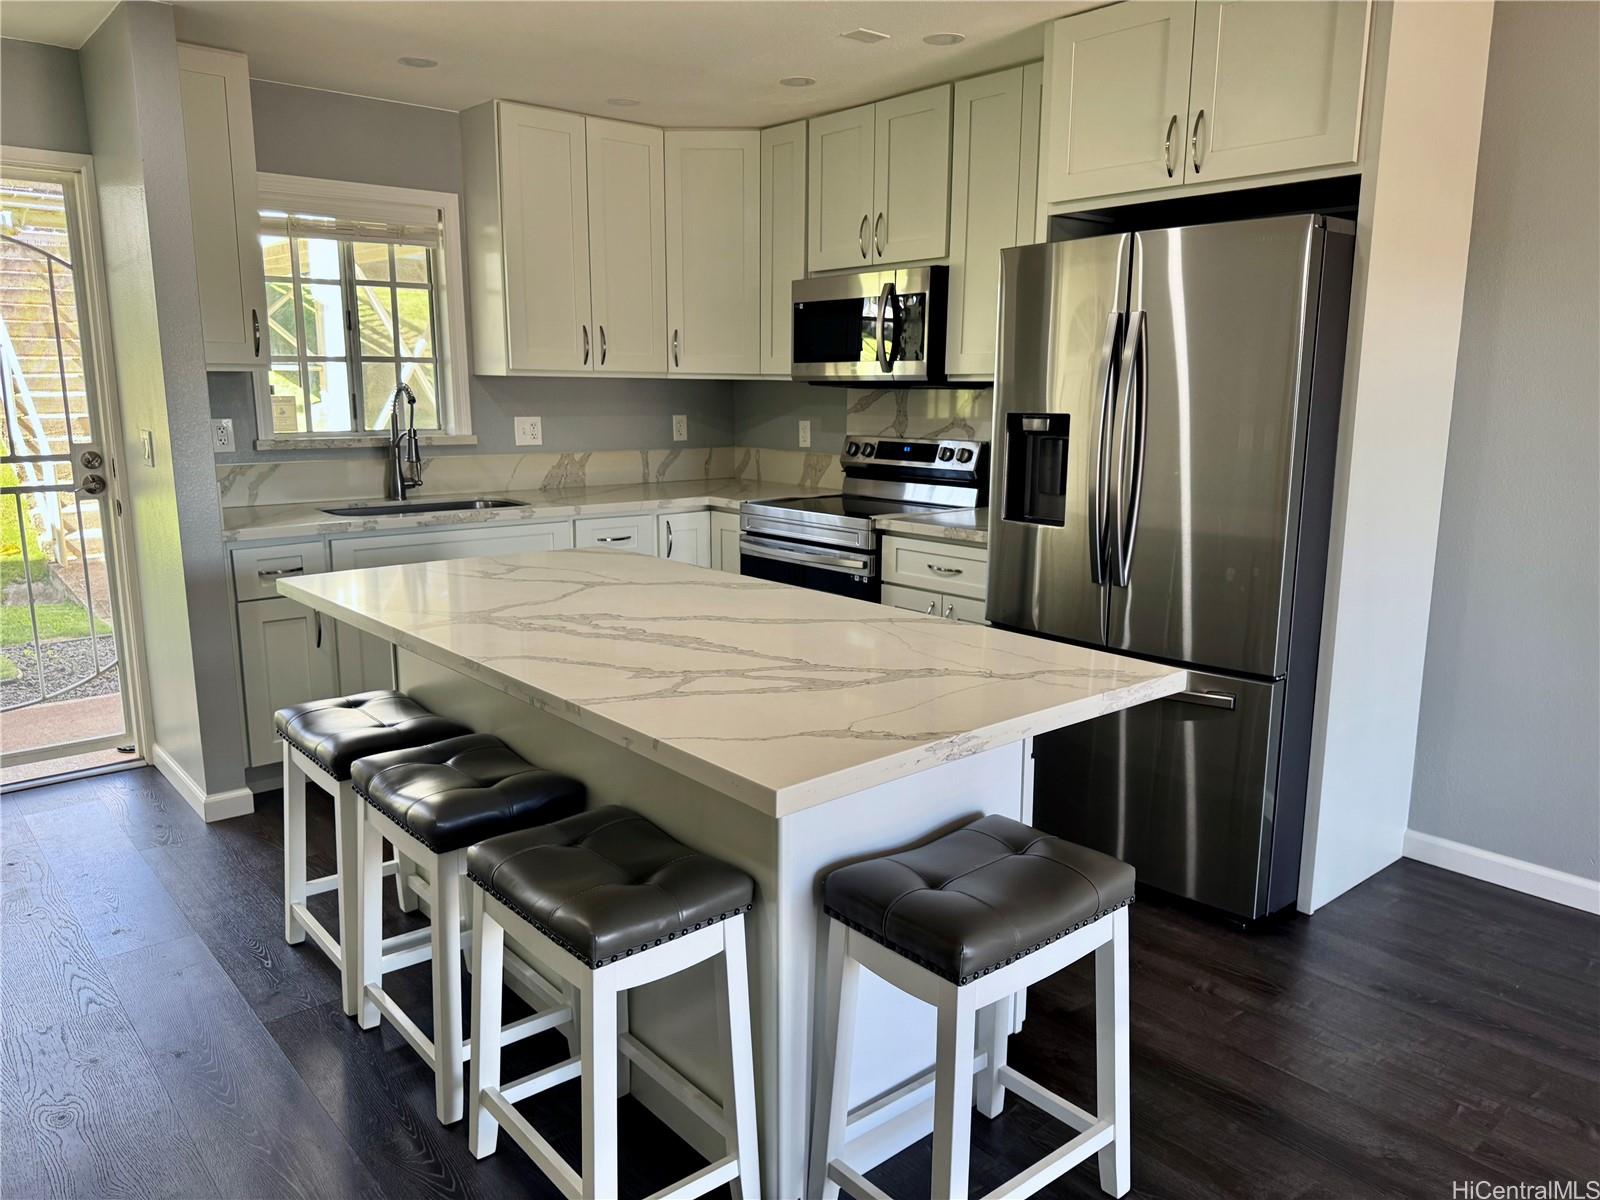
x: 1036, y: 468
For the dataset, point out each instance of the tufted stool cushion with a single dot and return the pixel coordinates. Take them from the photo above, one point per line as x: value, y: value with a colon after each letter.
x: 607, y: 883
x: 333, y: 733
x: 462, y: 790
x: 979, y: 897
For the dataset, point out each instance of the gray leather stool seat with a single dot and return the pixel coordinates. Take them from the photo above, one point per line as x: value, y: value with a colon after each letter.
x: 607, y: 883
x: 334, y: 733
x: 452, y: 793
x: 979, y: 897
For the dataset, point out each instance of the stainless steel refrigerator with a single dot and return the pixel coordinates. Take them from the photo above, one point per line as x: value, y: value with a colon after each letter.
x: 1166, y: 413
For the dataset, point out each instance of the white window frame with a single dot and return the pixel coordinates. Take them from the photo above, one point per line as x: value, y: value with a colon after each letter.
x: 376, y: 202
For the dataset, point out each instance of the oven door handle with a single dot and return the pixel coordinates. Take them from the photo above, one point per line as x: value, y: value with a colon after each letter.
x: 822, y: 559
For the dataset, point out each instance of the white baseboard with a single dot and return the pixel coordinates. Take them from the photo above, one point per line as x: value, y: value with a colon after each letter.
x: 1531, y: 879
x: 215, y: 806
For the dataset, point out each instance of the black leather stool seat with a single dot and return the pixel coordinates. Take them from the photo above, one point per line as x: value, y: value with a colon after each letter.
x: 462, y: 790
x: 607, y: 883
x: 979, y: 897
x: 334, y: 733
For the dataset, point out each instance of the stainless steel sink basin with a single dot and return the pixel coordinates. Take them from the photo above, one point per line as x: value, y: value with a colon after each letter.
x: 420, y: 506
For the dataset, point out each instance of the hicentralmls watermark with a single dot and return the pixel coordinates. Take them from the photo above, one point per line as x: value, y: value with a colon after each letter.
x: 1555, y: 1189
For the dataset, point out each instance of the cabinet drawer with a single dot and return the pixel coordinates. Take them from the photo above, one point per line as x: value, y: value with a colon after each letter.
x: 257, y: 569
x: 959, y: 608
x: 911, y: 599
x: 617, y: 533
x: 953, y: 568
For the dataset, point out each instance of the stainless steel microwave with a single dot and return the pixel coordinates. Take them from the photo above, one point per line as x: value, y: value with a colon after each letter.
x: 871, y: 326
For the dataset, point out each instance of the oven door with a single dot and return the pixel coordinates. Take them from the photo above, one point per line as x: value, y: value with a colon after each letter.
x: 870, y: 325
x: 851, y: 573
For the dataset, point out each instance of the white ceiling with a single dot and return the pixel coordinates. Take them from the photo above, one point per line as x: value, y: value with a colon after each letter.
x: 687, y: 62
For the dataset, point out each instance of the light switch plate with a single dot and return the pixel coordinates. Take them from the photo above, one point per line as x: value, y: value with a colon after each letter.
x: 680, y: 428
x: 530, y: 431
x: 147, y: 446
x: 805, y: 435
x: 222, y: 435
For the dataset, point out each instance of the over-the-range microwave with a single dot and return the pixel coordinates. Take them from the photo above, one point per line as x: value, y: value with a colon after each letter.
x: 870, y: 327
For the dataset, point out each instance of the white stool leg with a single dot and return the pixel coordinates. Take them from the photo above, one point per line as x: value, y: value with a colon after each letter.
x: 449, y: 1051
x: 952, y: 1095
x: 734, y: 1001
x: 488, y: 971
x: 405, y: 896
x: 367, y: 944
x: 599, y: 1037
x: 994, y: 1033
x: 836, y: 1045
x: 294, y: 846
x: 347, y: 807
x: 1111, y: 1053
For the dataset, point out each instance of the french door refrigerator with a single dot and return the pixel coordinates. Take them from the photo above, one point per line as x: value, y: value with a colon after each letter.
x: 1167, y: 404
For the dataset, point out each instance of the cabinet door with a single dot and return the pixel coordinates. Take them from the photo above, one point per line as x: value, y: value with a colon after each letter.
x: 911, y: 599
x: 725, y: 542
x: 911, y: 185
x: 636, y: 533
x: 985, y: 193
x: 839, y: 189
x: 627, y: 247
x: 783, y: 240
x: 685, y: 537
x: 1118, y: 99
x: 963, y: 608
x: 1028, y: 231
x: 544, y: 204
x: 1277, y: 86
x: 220, y: 146
x: 287, y: 654
x: 714, y: 251
x: 367, y: 662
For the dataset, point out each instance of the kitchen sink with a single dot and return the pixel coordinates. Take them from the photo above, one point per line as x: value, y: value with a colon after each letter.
x: 421, y: 506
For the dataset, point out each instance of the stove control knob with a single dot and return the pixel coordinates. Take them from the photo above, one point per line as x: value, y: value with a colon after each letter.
x: 852, y: 449
x: 964, y: 456
x: 868, y: 450
x: 946, y: 454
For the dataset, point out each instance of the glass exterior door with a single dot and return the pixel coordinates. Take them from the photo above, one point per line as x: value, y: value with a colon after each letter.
x: 62, y: 703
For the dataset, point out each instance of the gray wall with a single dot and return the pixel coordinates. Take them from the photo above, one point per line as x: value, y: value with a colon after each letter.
x: 402, y: 145
x: 768, y: 415
x: 130, y: 77
x: 41, y: 98
x: 1506, y: 744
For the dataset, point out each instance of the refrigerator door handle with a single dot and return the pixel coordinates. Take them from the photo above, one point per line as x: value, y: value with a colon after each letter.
x: 1208, y: 699
x: 1101, y: 442
x: 1128, y: 460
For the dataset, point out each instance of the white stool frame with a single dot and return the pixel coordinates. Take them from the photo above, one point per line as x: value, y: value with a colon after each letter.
x: 605, y: 1041
x: 442, y: 943
x: 974, y: 1024
x: 298, y: 920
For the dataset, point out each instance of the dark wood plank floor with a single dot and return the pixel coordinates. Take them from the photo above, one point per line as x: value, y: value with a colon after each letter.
x: 161, y: 1040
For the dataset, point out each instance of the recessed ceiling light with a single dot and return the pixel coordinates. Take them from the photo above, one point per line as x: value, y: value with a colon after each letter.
x: 622, y: 102
x: 797, y: 81
x: 865, y: 35
x: 945, y: 39
x: 411, y: 60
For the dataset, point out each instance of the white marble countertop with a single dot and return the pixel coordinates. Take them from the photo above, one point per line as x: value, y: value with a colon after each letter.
x: 967, y: 525
x: 780, y: 697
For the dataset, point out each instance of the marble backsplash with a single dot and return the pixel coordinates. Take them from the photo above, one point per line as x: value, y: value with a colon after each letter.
x: 298, y: 481
x: 921, y: 413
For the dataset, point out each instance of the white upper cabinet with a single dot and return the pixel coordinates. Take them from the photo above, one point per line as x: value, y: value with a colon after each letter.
x: 1277, y: 86
x: 783, y: 239
x: 1119, y: 98
x: 627, y: 247
x: 911, y: 181
x: 220, y: 146
x: 840, y: 182
x: 544, y: 216
x: 714, y: 251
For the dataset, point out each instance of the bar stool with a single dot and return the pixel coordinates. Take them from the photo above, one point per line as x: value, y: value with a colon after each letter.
x: 321, y: 739
x: 433, y: 802
x: 608, y: 902
x: 963, y: 923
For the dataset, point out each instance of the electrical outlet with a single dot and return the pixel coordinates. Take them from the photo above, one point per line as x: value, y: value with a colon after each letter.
x: 805, y: 435
x: 530, y: 431
x: 147, y: 446
x: 222, y: 436
x: 680, y: 428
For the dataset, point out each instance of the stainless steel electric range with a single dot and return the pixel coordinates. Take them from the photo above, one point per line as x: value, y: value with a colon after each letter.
x: 828, y: 543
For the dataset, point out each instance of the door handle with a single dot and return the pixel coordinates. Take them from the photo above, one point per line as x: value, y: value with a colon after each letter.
x: 1207, y: 699
x: 1101, y: 442
x: 877, y: 236
x: 1172, y: 128
x: 586, y: 345
x: 861, y: 235
x: 602, y: 329
x: 1194, y: 141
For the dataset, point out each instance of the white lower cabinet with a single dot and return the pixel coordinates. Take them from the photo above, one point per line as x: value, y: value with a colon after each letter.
x: 366, y: 662
x: 725, y: 542
x: 934, y: 604
x: 287, y: 652
x: 685, y: 537
x: 949, y: 567
x: 636, y: 533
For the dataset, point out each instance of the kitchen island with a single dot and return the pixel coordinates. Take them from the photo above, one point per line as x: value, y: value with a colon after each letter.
x: 786, y: 731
